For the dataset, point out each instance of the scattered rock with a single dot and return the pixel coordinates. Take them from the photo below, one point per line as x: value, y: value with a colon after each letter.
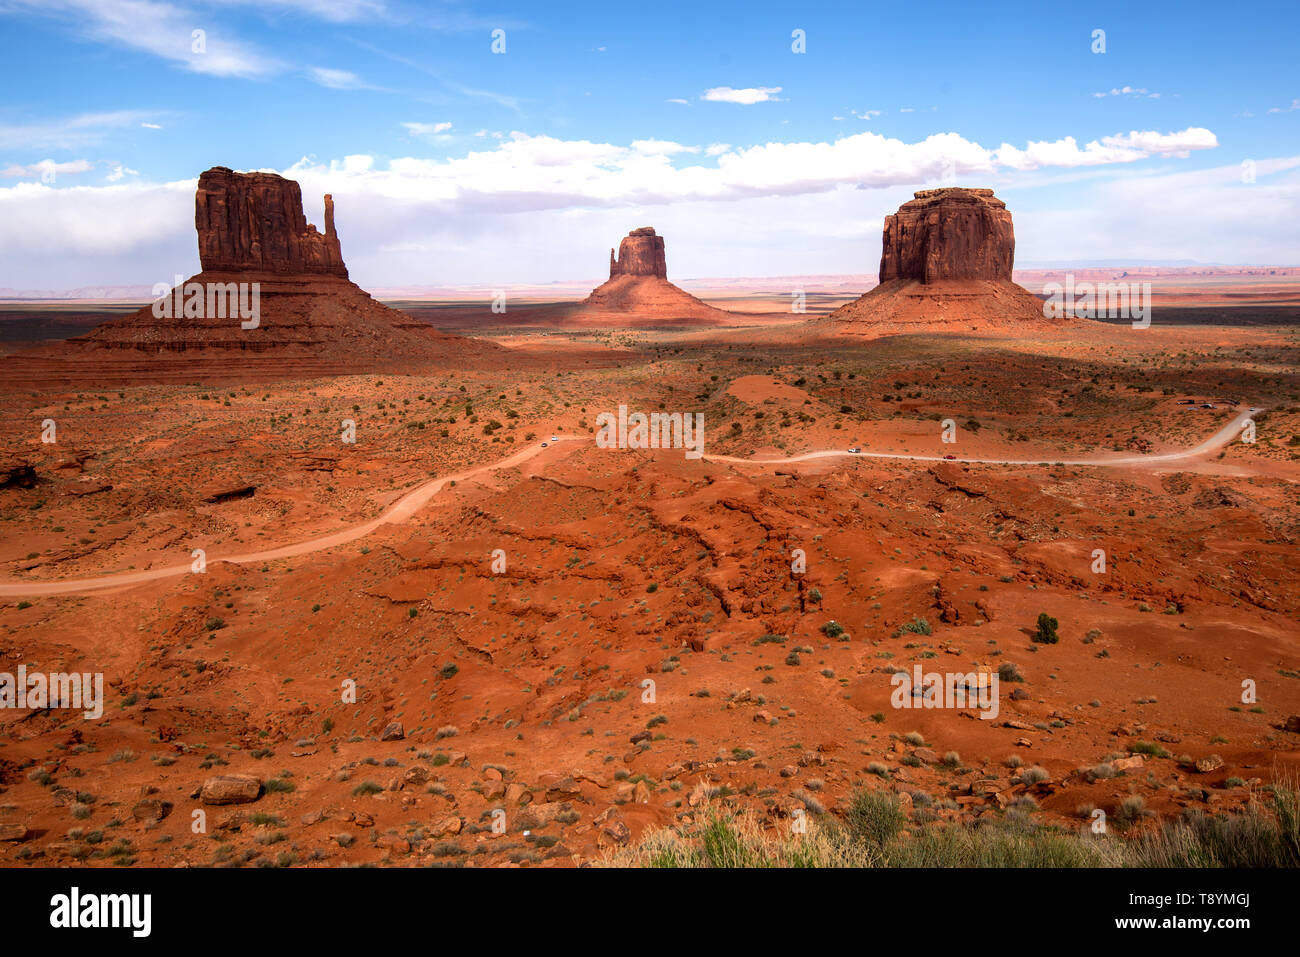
x: 416, y: 775
x: 614, y: 832
x: 1211, y: 762
x: 13, y: 832
x: 231, y: 789
x: 151, y: 811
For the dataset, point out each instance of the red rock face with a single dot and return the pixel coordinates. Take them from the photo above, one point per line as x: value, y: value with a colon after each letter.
x: 641, y: 253
x: 254, y: 222
x: 951, y: 233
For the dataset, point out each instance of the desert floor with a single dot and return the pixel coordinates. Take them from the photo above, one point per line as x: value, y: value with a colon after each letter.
x: 652, y: 643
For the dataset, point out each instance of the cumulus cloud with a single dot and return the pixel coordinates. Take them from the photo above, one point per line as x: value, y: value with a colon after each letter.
x: 746, y: 96
x: 579, y: 192
x: 1120, y: 148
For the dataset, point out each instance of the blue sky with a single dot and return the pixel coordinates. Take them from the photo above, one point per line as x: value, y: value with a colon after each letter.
x: 452, y: 164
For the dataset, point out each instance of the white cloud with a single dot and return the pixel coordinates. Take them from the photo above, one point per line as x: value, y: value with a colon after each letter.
x: 337, y: 79
x: 1120, y: 148
x: 1208, y: 215
x: 747, y: 96
x: 1129, y: 91
x: 118, y: 171
x: 160, y: 28
x: 503, y: 196
x: 167, y: 30
x: 430, y: 130
x: 662, y: 147
x: 46, y: 169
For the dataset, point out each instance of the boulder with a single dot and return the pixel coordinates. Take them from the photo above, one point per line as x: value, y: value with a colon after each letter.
x: 231, y: 789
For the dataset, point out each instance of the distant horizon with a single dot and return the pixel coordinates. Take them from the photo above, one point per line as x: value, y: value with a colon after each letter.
x: 141, y: 292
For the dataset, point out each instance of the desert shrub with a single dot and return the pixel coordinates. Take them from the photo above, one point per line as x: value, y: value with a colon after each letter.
x: 1045, y: 633
x: 875, y: 817
x: 1034, y: 775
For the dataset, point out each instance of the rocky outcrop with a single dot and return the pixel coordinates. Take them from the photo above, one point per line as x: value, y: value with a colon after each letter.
x: 253, y: 222
x: 638, y: 293
x: 273, y: 301
x: 945, y: 263
x: 953, y: 233
x: 641, y: 253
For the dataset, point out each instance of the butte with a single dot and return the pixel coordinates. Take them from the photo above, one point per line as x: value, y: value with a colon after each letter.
x: 312, y: 320
x: 945, y: 264
x: 638, y: 293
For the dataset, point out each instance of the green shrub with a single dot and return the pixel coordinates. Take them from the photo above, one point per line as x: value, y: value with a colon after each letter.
x: 1046, y: 631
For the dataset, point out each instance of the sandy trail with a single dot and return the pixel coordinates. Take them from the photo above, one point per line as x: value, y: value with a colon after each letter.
x: 1214, y: 442
x: 414, y: 500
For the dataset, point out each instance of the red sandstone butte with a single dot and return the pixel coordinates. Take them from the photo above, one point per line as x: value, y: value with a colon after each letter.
x: 312, y: 321
x: 945, y: 262
x: 641, y: 253
x: 638, y: 293
x: 254, y: 222
x: 952, y: 233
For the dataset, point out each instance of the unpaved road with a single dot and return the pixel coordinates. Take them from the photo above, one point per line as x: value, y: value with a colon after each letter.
x: 414, y: 500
